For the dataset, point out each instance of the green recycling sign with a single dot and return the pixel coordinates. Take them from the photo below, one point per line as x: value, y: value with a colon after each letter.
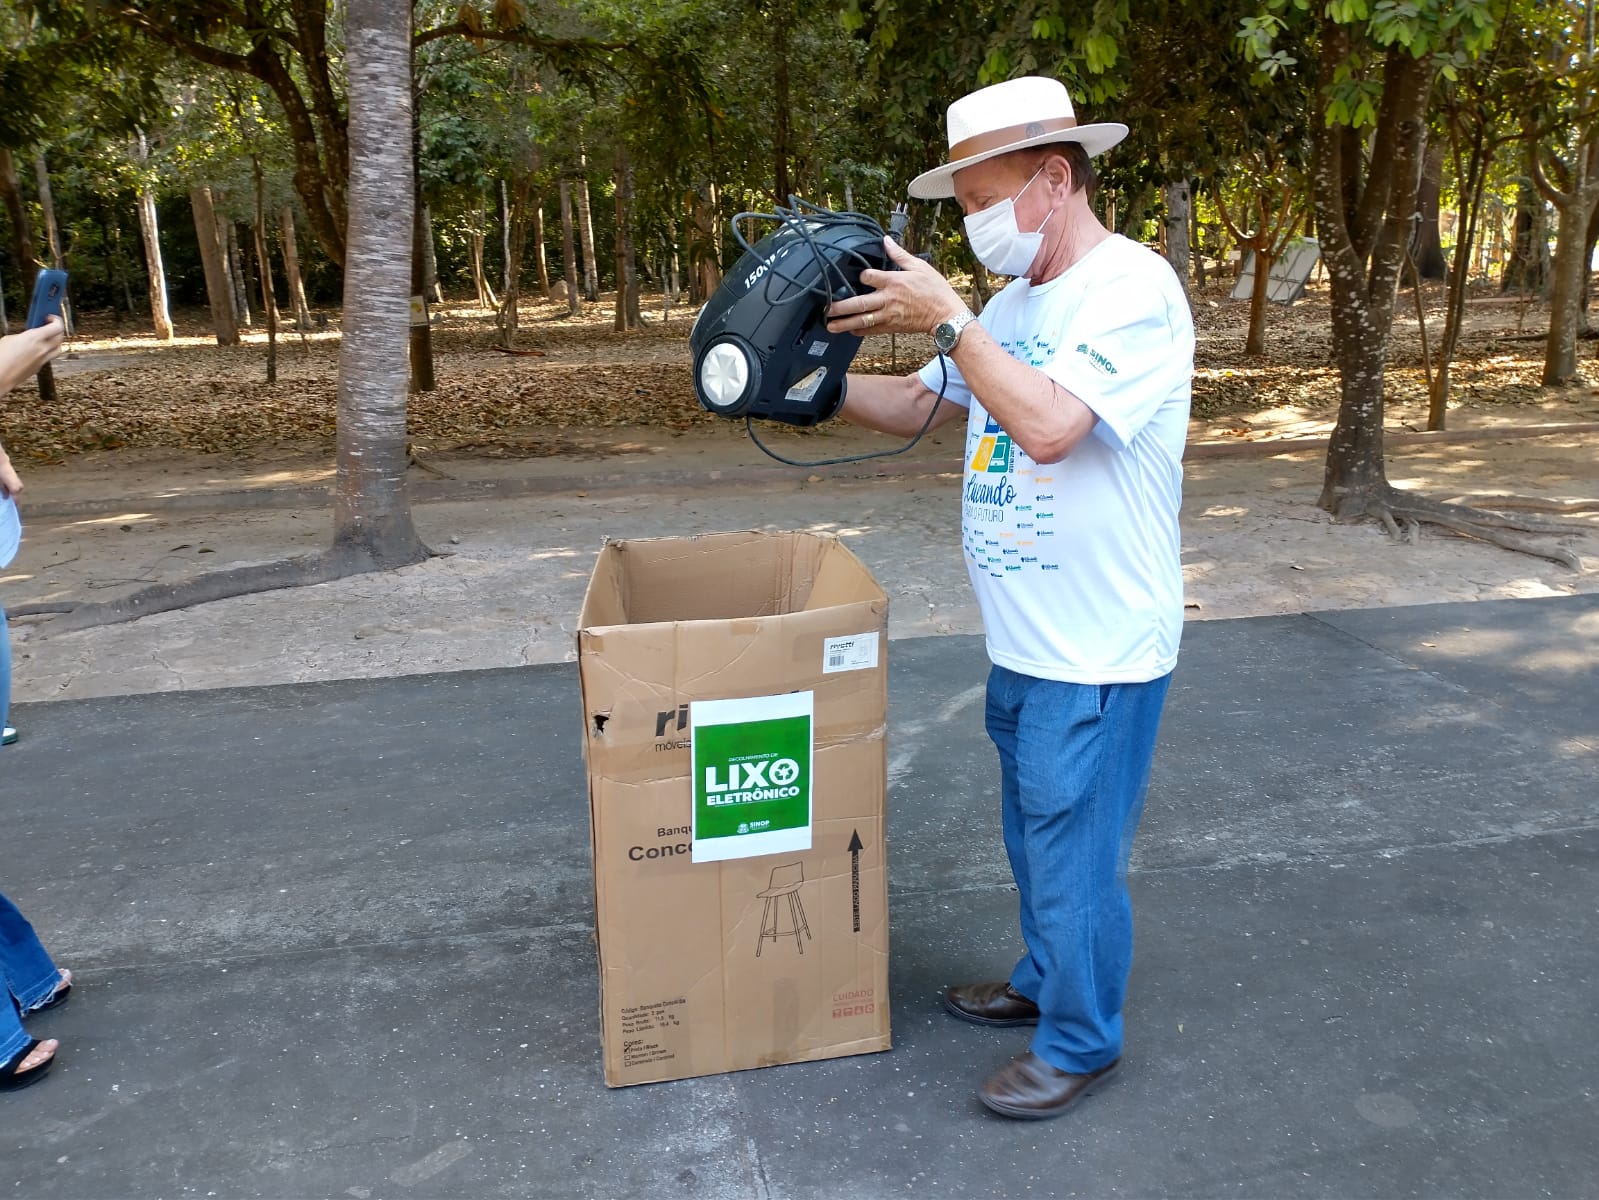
x: 752, y: 775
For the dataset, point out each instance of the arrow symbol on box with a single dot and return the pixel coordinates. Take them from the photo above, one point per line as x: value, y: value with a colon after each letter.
x: 855, y: 848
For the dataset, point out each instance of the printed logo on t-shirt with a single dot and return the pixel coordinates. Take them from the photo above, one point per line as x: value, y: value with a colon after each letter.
x: 993, y: 454
x: 1100, y: 363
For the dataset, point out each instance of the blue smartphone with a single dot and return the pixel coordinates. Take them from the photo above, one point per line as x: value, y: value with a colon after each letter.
x: 49, y: 290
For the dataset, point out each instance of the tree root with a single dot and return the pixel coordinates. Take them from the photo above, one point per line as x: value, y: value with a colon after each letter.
x: 416, y: 460
x: 41, y: 610
x: 1527, y: 503
x: 323, y: 567
x: 1402, y: 514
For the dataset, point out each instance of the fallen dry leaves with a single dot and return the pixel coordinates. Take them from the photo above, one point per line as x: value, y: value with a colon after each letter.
x: 130, y: 391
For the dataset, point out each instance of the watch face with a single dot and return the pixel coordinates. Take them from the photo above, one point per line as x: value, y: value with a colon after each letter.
x: 944, y: 336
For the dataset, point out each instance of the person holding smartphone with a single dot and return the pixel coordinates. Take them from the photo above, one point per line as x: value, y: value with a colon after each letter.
x: 32, y: 980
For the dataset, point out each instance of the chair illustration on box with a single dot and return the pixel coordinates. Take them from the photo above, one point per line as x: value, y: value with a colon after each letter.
x: 784, y: 885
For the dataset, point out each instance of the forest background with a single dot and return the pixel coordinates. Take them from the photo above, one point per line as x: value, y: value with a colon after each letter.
x: 568, y: 172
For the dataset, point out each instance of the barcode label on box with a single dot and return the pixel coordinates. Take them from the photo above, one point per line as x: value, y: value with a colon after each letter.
x: 858, y: 653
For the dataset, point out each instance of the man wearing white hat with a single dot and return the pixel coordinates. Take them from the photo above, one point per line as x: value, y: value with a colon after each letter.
x: 1074, y: 384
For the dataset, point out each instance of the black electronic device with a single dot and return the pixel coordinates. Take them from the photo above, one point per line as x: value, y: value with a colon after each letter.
x: 761, y: 345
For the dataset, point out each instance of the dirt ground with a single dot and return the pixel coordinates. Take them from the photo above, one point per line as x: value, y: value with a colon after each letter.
x: 545, y: 456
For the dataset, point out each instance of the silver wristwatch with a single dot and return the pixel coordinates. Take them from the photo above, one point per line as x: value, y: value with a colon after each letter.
x: 948, y: 331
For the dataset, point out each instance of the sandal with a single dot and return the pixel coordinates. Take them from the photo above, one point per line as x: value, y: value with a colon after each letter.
x: 13, y: 1077
x: 60, y: 996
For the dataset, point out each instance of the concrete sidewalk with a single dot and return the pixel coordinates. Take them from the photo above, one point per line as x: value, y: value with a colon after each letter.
x: 334, y: 940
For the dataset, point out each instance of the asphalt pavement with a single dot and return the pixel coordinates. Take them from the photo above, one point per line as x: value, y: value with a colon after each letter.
x: 334, y: 939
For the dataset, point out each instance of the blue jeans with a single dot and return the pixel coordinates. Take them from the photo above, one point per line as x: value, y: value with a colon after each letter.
x: 30, y: 977
x: 1074, y: 766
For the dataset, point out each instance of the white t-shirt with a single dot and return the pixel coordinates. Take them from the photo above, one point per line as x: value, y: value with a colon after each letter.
x: 10, y: 532
x: 1077, y: 564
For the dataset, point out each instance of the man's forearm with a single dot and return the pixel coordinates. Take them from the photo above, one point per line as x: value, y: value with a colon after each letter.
x: 896, y: 404
x: 1042, y: 417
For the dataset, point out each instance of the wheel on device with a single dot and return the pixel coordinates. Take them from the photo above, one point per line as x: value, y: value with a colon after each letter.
x: 727, y: 376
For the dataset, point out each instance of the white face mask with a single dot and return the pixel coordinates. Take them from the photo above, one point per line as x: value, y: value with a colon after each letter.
x: 998, y: 242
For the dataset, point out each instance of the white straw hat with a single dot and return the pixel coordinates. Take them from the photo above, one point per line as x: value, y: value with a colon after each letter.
x: 1016, y: 114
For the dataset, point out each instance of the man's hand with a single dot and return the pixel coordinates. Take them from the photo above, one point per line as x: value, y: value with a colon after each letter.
x: 912, y: 299
x: 22, y: 354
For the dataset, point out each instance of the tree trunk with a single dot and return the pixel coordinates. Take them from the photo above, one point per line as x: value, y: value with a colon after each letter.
x: 1259, y: 297
x: 781, y: 17
x: 1469, y: 184
x: 22, y: 247
x: 291, y: 269
x: 372, y: 515
x: 674, y: 278
x: 1571, y: 268
x: 52, y: 231
x: 1178, y: 205
x: 541, y: 260
x: 1428, y: 250
x: 585, y: 233
x: 705, y: 243
x: 1587, y: 276
x: 480, y: 276
x: 1135, y: 211
x: 1363, y: 232
x: 420, y: 339
x: 627, y: 299
x: 1527, y: 270
x: 515, y: 247
x: 218, y: 288
x: 506, y: 282
x: 982, y: 287
x: 150, y: 228
x: 269, y: 299
x: 574, y: 302
x: 1577, y: 205
x: 435, y: 289
x: 241, y: 293
x: 47, y: 207
x: 122, y: 271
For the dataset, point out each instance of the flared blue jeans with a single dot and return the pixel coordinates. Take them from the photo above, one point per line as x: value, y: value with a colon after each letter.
x: 30, y: 976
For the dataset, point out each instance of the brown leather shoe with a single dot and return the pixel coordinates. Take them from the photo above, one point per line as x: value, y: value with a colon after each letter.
x: 1029, y: 1089
x: 990, y: 1004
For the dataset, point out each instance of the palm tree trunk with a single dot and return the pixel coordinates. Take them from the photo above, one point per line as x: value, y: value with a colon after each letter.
x: 372, y: 514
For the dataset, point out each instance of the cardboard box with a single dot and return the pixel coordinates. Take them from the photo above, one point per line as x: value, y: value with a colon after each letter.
x: 733, y: 932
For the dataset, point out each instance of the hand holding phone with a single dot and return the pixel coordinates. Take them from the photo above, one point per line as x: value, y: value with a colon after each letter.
x: 49, y: 291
